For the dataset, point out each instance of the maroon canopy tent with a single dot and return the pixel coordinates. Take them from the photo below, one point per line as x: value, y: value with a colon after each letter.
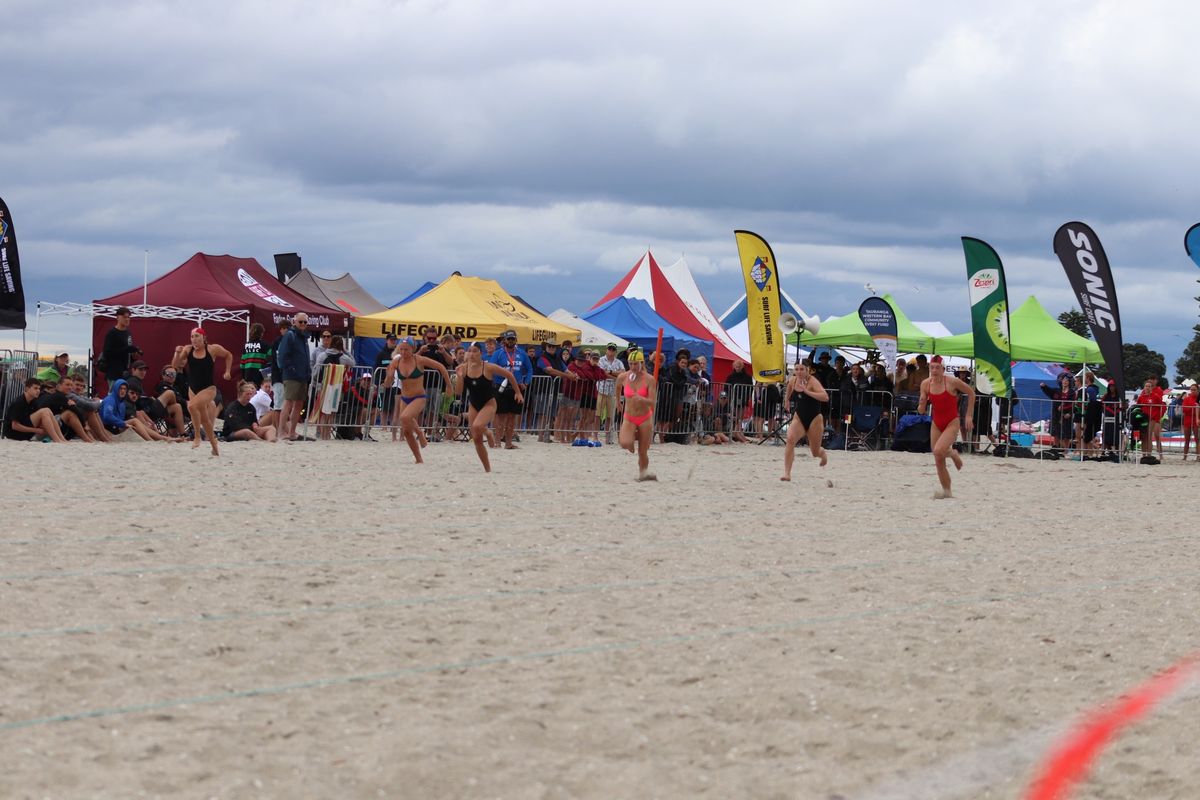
x: 176, y: 302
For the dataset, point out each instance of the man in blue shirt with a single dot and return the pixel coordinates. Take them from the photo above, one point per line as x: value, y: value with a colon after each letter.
x: 297, y: 373
x: 513, y: 359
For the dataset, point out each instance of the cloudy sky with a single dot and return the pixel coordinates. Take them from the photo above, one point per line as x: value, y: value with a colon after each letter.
x: 547, y: 145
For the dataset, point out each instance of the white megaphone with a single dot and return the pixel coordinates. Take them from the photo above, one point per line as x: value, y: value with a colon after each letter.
x: 790, y: 323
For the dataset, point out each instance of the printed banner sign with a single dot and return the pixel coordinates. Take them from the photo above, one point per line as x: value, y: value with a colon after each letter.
x: 763, y: 307
x: 879, y: 318
x: 12, y: 295
x: 1191, y: 243
x: 989, y: 318
x: 1086, y: 265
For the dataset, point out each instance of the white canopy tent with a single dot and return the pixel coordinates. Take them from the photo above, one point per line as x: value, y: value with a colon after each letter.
x: 589, y: 335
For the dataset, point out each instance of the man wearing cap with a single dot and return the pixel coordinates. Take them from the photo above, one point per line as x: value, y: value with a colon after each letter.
x: 545, y: 398
x: 606, y: 395
x: 823, y: 372
x: 56, y: 371
x: 387, y: 394
x: 435, y: 350
x: 118, y: 348
x: 512, y: 358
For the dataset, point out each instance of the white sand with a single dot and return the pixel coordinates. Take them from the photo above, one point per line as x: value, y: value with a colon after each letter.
x: 330, y: 620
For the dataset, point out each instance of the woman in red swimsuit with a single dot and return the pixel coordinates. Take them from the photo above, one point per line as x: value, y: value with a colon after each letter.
x: 941, y: 391
x: 637, y: 393
x: 1190, y: 408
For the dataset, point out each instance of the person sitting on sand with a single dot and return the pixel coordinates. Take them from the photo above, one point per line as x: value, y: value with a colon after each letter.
x: 24, y: 421
x: 113, y: 413
x: 241, y: 418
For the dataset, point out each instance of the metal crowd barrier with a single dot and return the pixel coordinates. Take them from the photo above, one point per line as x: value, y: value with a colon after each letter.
x: 13, y: 374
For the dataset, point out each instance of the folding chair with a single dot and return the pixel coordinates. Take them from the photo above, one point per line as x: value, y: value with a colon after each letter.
x: 865, y: 431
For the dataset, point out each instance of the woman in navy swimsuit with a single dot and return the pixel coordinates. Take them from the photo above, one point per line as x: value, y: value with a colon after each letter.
x: 198, y: 359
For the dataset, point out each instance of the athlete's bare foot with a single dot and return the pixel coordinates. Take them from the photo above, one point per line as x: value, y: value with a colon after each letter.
x: 785, y: 477
x: 195, y: 443
x: 647, y: 476
x: 511, y: 446
x: 956, y: 458
x: 824, y: 457
x: 941, y: 494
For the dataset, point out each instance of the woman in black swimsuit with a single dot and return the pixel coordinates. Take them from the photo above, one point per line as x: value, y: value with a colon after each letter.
x: 198, y: 358
x: 804, y: 395
x: 475, y: 377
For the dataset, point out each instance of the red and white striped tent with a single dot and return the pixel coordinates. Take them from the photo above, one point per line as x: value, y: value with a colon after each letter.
x: 674, y: 295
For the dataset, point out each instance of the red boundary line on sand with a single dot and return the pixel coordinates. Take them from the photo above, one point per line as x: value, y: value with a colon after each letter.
x: 1070, y: 762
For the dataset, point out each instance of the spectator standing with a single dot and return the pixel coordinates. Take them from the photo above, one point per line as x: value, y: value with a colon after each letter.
x: 333, y: 356
x: 508, y: 405
x: 548, y: 407
x: 256, y: 355
x: 315, y: 353
x: 1112, y: 404
x: 1061, y: 400
x: 118, y: 349
x: 296, y: 371
x: 277, y: 372
x: 1190, y: 419
x: 606, y: 394
x: 387, y: 393
x: 738, y: 388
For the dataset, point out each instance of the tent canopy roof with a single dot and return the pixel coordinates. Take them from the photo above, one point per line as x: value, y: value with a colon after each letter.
x: 848, y: 331
x: 589, y: 334
x: 635, y: 320
x: 229, y: 282
x: 342, y: 293
x: 1033, y: 335
x: 469, y: 307
x: 675, y: 297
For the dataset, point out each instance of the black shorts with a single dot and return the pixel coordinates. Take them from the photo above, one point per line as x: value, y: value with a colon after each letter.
x: 506, y: 401
x: 588, y: 403
x: 19, y: 436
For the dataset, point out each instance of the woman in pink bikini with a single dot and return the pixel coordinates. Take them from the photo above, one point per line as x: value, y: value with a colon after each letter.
x: 637, y: 394
x: 941, y: 391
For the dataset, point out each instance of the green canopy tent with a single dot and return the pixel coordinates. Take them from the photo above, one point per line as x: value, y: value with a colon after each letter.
x: 1034, y: 336
x: 848, y: 331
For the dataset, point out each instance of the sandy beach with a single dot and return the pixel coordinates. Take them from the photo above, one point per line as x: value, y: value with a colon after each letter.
x: 329, y: 620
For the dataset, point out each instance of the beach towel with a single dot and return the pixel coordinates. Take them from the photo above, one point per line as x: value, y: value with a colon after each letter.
x: 331, y: 388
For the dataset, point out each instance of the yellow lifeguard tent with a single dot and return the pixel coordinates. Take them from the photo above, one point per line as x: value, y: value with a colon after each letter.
x: 470, y: 308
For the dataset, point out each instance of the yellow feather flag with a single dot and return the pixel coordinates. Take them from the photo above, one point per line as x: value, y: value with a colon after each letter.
x: 768, y: 364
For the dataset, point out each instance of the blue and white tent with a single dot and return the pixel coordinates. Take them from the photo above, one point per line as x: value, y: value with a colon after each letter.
x: 634, y: 320
x: 734, y: 322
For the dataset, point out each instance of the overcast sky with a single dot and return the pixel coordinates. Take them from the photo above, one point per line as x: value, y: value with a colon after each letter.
x: 547, y: 145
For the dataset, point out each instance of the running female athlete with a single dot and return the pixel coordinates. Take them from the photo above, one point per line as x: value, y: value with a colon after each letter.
x: 637, y: 394
x: 407, y: 366
x: 941, y: 391
x: 198, y: 359
x: 804, y: 395
x: 476, y: 378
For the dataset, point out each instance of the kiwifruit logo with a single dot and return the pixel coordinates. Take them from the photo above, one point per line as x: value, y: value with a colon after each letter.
x: 988, y: 378
x: 997, y: 325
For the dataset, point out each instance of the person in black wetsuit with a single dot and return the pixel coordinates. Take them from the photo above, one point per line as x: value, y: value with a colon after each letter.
x: 198, y: 359
x: 804, y: 396
x: 476, y: 377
